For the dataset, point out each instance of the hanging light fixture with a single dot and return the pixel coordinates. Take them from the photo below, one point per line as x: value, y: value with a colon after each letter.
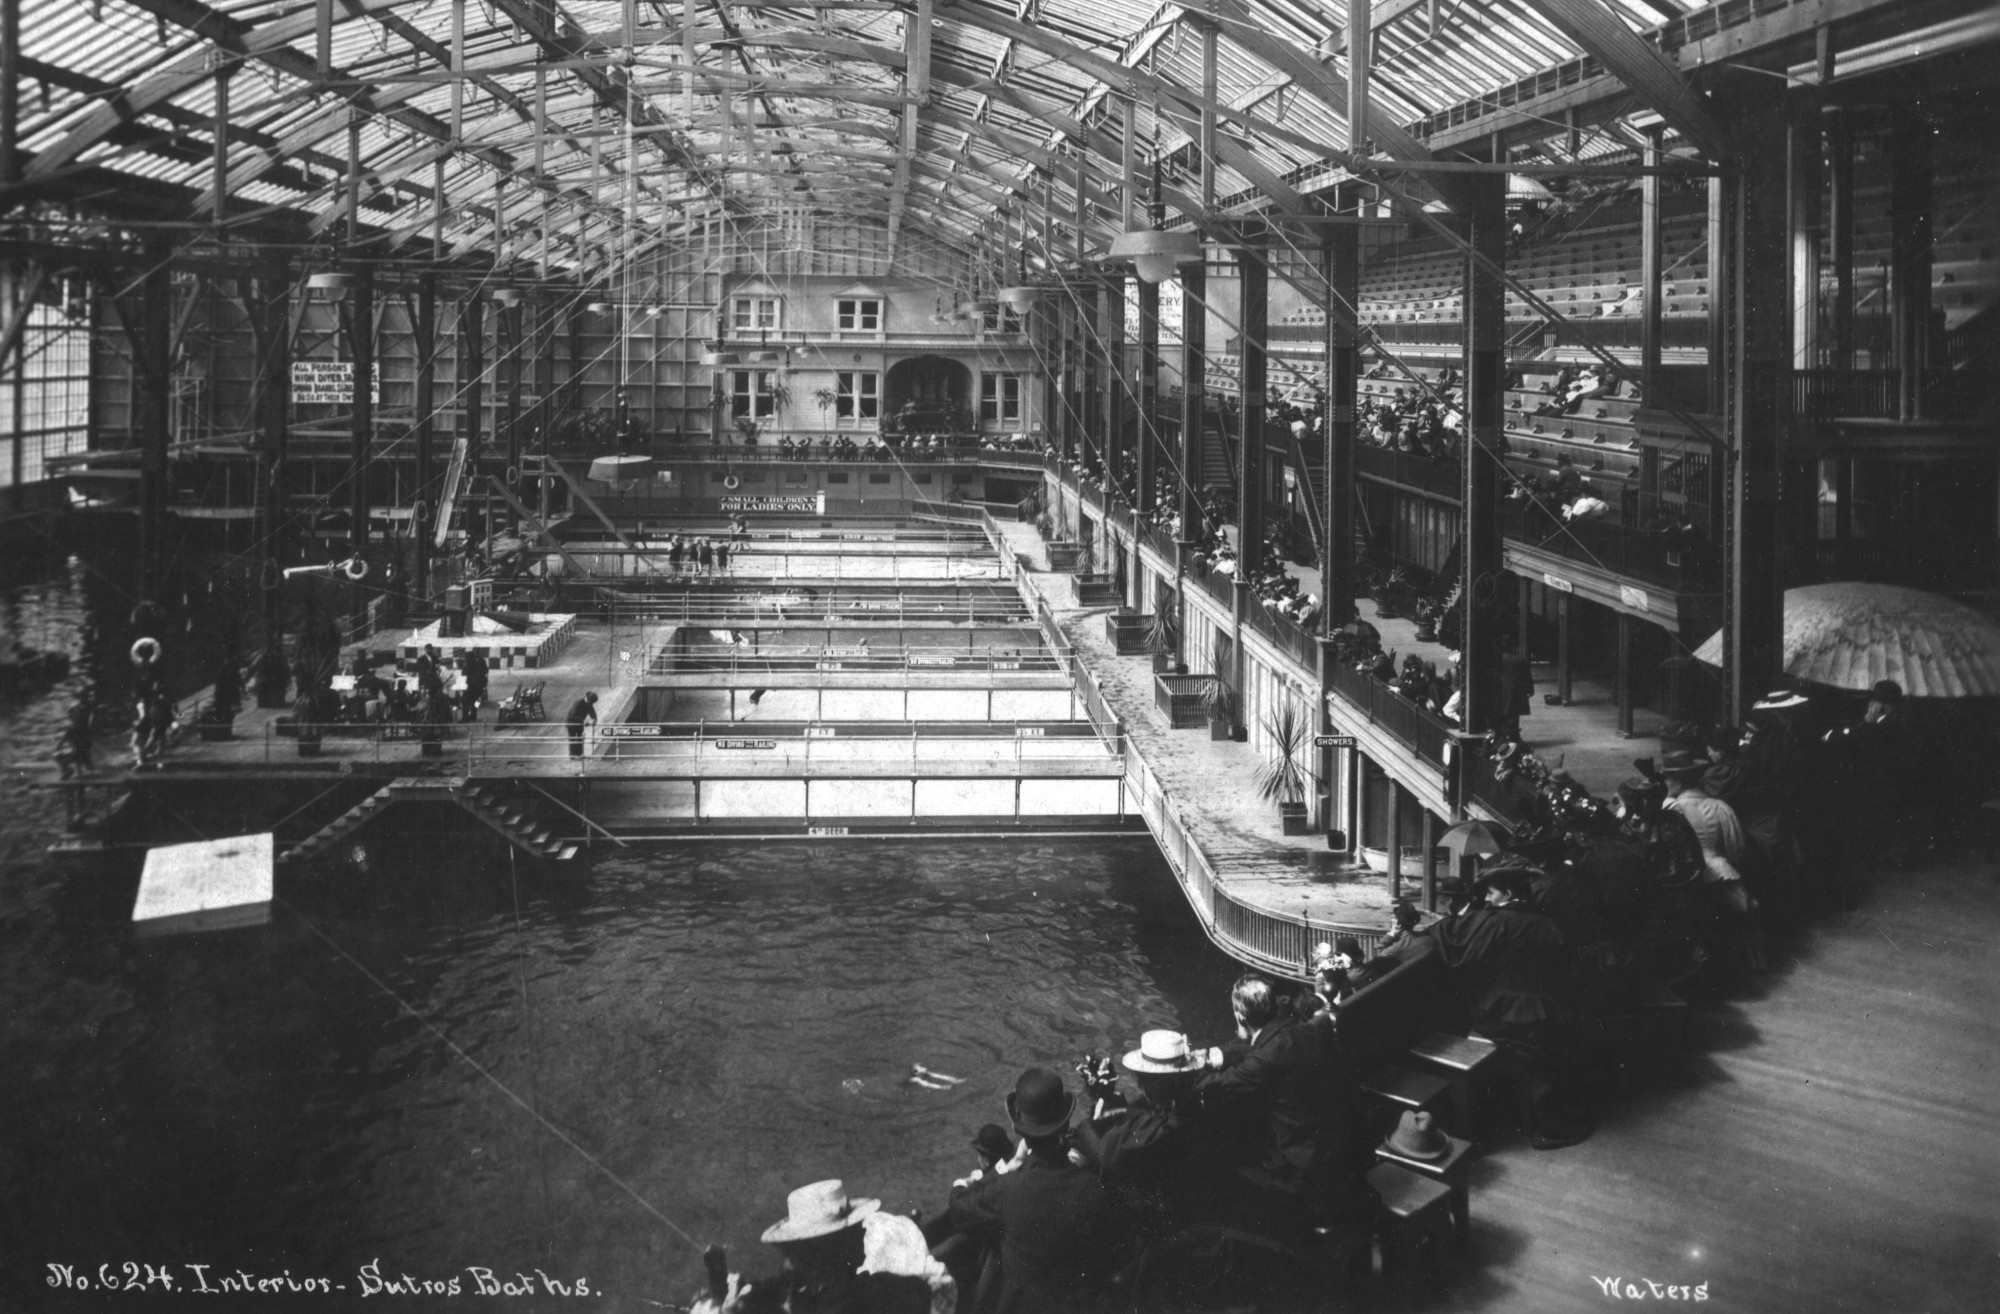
x: 600, y: 307
x: 508, y: 297
x: 332, y: 284
x: 1155, y: 255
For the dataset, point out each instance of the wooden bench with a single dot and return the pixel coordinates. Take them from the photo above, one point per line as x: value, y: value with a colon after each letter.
x: 1376, y: 1025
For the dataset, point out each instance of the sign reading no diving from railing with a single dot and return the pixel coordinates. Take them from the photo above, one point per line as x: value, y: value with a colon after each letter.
x: 630, y: 732
x: 811, y: 505
x: 752, y: 744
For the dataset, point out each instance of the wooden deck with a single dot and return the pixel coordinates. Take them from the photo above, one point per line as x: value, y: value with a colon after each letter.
x: 1832, y: 1145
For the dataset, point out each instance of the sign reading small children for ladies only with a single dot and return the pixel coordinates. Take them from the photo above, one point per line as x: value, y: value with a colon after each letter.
x: 329, y: 383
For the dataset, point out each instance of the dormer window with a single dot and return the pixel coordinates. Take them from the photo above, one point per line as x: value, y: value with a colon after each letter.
x: 859, y: 314
x: 1000, y: 319
x: 754, y: 314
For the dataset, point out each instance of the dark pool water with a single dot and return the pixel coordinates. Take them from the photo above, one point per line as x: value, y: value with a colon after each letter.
x: 702, y: 1028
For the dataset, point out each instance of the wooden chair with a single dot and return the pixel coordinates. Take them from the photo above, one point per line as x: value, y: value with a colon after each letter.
x: 525, y: 704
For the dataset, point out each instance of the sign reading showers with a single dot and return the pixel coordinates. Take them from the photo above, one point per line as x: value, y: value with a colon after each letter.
x: 330, y: 383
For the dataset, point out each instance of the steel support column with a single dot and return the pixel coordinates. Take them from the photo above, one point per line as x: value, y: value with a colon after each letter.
x: 1910, y: 228
x: 361, y: 344
x: 271, y: 312
x: 152, y: 349
x: 1341, y: 260
x: 1254, y: 277
x: 424, y: 402
x: 1652, y: 270
x: 1485, y: 371
x: 1758, y: 360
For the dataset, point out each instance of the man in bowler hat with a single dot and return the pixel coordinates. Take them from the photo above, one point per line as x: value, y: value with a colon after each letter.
x: 1050, y: 1218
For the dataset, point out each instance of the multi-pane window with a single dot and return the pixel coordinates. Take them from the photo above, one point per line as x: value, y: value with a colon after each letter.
x: 750, y: 394
x: 1000, y: 319
x: 860, y: 314
x: 1000, y: 398
x: 54, y: 395
x: 755, y: 315
x: 857, y: 395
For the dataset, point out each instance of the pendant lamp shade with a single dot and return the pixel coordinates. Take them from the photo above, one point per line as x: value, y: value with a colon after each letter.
x: 1019, y: 298
x: 620, y: 469
x: 507, y: 296
x: 1155, y: 255
x: 599, y: 307
x: 332, y: 284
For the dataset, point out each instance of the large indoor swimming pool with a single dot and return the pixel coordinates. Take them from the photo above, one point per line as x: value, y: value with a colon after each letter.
x: 702, y: 1028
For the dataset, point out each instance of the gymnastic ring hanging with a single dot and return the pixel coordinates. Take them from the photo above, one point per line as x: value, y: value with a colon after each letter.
x: 731, y: 481
x: 355, y: 569
x: 420, y: 512
x: 272, y: 576
x: 388, y: 572
x: 513, y: 475
x: 145, y: 649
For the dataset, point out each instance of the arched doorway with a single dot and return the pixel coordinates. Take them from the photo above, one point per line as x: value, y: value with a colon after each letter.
x: 927, y: 394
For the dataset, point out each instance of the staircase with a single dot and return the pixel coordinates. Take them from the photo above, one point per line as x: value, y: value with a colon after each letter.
x: 333, y: 832
x: 1218, y: 451
x: 485, y: 802
x: 510, y: 819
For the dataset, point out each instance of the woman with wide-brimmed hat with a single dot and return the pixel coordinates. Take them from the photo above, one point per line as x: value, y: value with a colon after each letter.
x: 1724, y: 844
x: 843, y: 1255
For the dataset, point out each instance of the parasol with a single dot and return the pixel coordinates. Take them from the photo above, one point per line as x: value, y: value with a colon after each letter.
x: 1476, y: 839
x: 1849, y: 635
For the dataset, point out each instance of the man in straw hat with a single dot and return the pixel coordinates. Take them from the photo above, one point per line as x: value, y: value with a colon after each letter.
x: 1050, y: 1218
x: 1723, y: 847
x: 842, y: 1256
x: 1153, y: 1155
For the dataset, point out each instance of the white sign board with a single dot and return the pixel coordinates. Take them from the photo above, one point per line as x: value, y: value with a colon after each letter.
x: 330, y: 383
x: 807, y: 504
x: 1558, y: 583
x: 1636, y: 599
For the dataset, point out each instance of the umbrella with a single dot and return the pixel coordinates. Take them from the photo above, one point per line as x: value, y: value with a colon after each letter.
x: 1477, y: 839
x: 1850, y: 635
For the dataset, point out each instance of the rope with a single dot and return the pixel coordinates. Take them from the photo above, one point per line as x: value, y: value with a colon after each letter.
x: 497, y: 1084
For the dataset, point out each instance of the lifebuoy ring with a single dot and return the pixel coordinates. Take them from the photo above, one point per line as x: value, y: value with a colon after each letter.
x: 420, y: 512
x: 355, y: 568
x: 731, y: 481
x: 145, y: 650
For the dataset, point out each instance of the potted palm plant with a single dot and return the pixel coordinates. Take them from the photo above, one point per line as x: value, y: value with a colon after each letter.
x: 1282, y: 780
x: 1163, y: 641
x: 1218, y: 699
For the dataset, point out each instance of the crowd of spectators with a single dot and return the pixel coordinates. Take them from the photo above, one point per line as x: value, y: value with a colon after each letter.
x: 1092, y: 1197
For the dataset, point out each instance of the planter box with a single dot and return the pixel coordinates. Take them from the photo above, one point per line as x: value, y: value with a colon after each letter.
x: 1126, y: 632
x: 1164, y: 664
x: 1295, y: 818
x: 1062, y: 557
x: 1179, y: 699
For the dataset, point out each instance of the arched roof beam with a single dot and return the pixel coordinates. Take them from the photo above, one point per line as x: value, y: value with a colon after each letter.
x: 1641, y: 66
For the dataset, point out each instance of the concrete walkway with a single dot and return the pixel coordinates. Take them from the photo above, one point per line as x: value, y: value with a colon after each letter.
x: 1212, y: 787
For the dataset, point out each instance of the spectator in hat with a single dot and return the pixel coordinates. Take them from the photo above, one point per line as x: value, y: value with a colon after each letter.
x: 1154, y: 1157
x: 841, y: 1256
x: 1723, y: 847
x: 1050, y: 1219
x: 1275, y: 1083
